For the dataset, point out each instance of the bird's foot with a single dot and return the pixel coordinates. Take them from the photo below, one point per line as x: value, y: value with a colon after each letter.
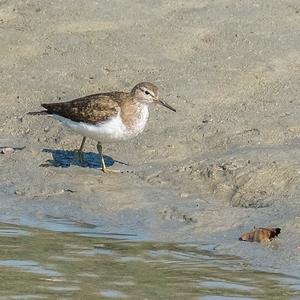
x: 110, y: 171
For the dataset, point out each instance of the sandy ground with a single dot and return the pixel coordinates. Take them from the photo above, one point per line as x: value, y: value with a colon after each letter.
x: 229, y: 158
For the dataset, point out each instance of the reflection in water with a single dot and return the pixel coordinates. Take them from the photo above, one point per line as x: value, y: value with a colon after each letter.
x: 41, y: 264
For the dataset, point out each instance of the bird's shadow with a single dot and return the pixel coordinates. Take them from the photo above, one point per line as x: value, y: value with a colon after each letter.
x: 66, y: 158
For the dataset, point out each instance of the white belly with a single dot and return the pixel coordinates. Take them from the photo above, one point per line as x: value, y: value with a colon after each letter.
x: 112, y: 130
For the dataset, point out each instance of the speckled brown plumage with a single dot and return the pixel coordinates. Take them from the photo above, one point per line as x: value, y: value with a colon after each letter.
x: 91, y: 109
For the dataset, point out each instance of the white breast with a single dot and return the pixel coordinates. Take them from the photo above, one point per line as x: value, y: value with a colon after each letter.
x: 112, y: 130
x: 141, y: 120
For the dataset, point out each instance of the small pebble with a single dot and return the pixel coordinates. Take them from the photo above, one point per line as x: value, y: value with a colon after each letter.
x: 7, y: 150
x: 184, y: 195
x: 19, y: 193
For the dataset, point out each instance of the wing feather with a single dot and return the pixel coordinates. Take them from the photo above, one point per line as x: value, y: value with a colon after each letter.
x: 90, y: 109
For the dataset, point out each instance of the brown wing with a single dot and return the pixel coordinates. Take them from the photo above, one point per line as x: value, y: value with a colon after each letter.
x: 90, y: 109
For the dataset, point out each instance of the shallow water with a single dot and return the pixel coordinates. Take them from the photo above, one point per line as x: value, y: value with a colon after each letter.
x: 75, y: 260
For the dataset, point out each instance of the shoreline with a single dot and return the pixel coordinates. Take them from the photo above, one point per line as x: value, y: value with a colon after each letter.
x: 227, y: 160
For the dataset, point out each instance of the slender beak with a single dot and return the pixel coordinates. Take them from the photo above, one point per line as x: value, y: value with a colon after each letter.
x: 163, y: 103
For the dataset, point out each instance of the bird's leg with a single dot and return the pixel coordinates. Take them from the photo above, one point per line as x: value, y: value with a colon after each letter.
x: 104, y: 169
x: 80, y: 153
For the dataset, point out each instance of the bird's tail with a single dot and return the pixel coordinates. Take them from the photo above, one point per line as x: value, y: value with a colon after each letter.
x: 34, y: 113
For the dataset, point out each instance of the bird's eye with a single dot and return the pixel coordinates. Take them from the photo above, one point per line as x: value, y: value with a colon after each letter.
x: 147, y: 93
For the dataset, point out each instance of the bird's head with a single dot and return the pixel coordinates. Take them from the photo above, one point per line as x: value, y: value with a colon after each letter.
x: 146, y: 92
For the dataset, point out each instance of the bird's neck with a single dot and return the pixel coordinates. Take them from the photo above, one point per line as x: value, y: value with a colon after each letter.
x: 134, y: 114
